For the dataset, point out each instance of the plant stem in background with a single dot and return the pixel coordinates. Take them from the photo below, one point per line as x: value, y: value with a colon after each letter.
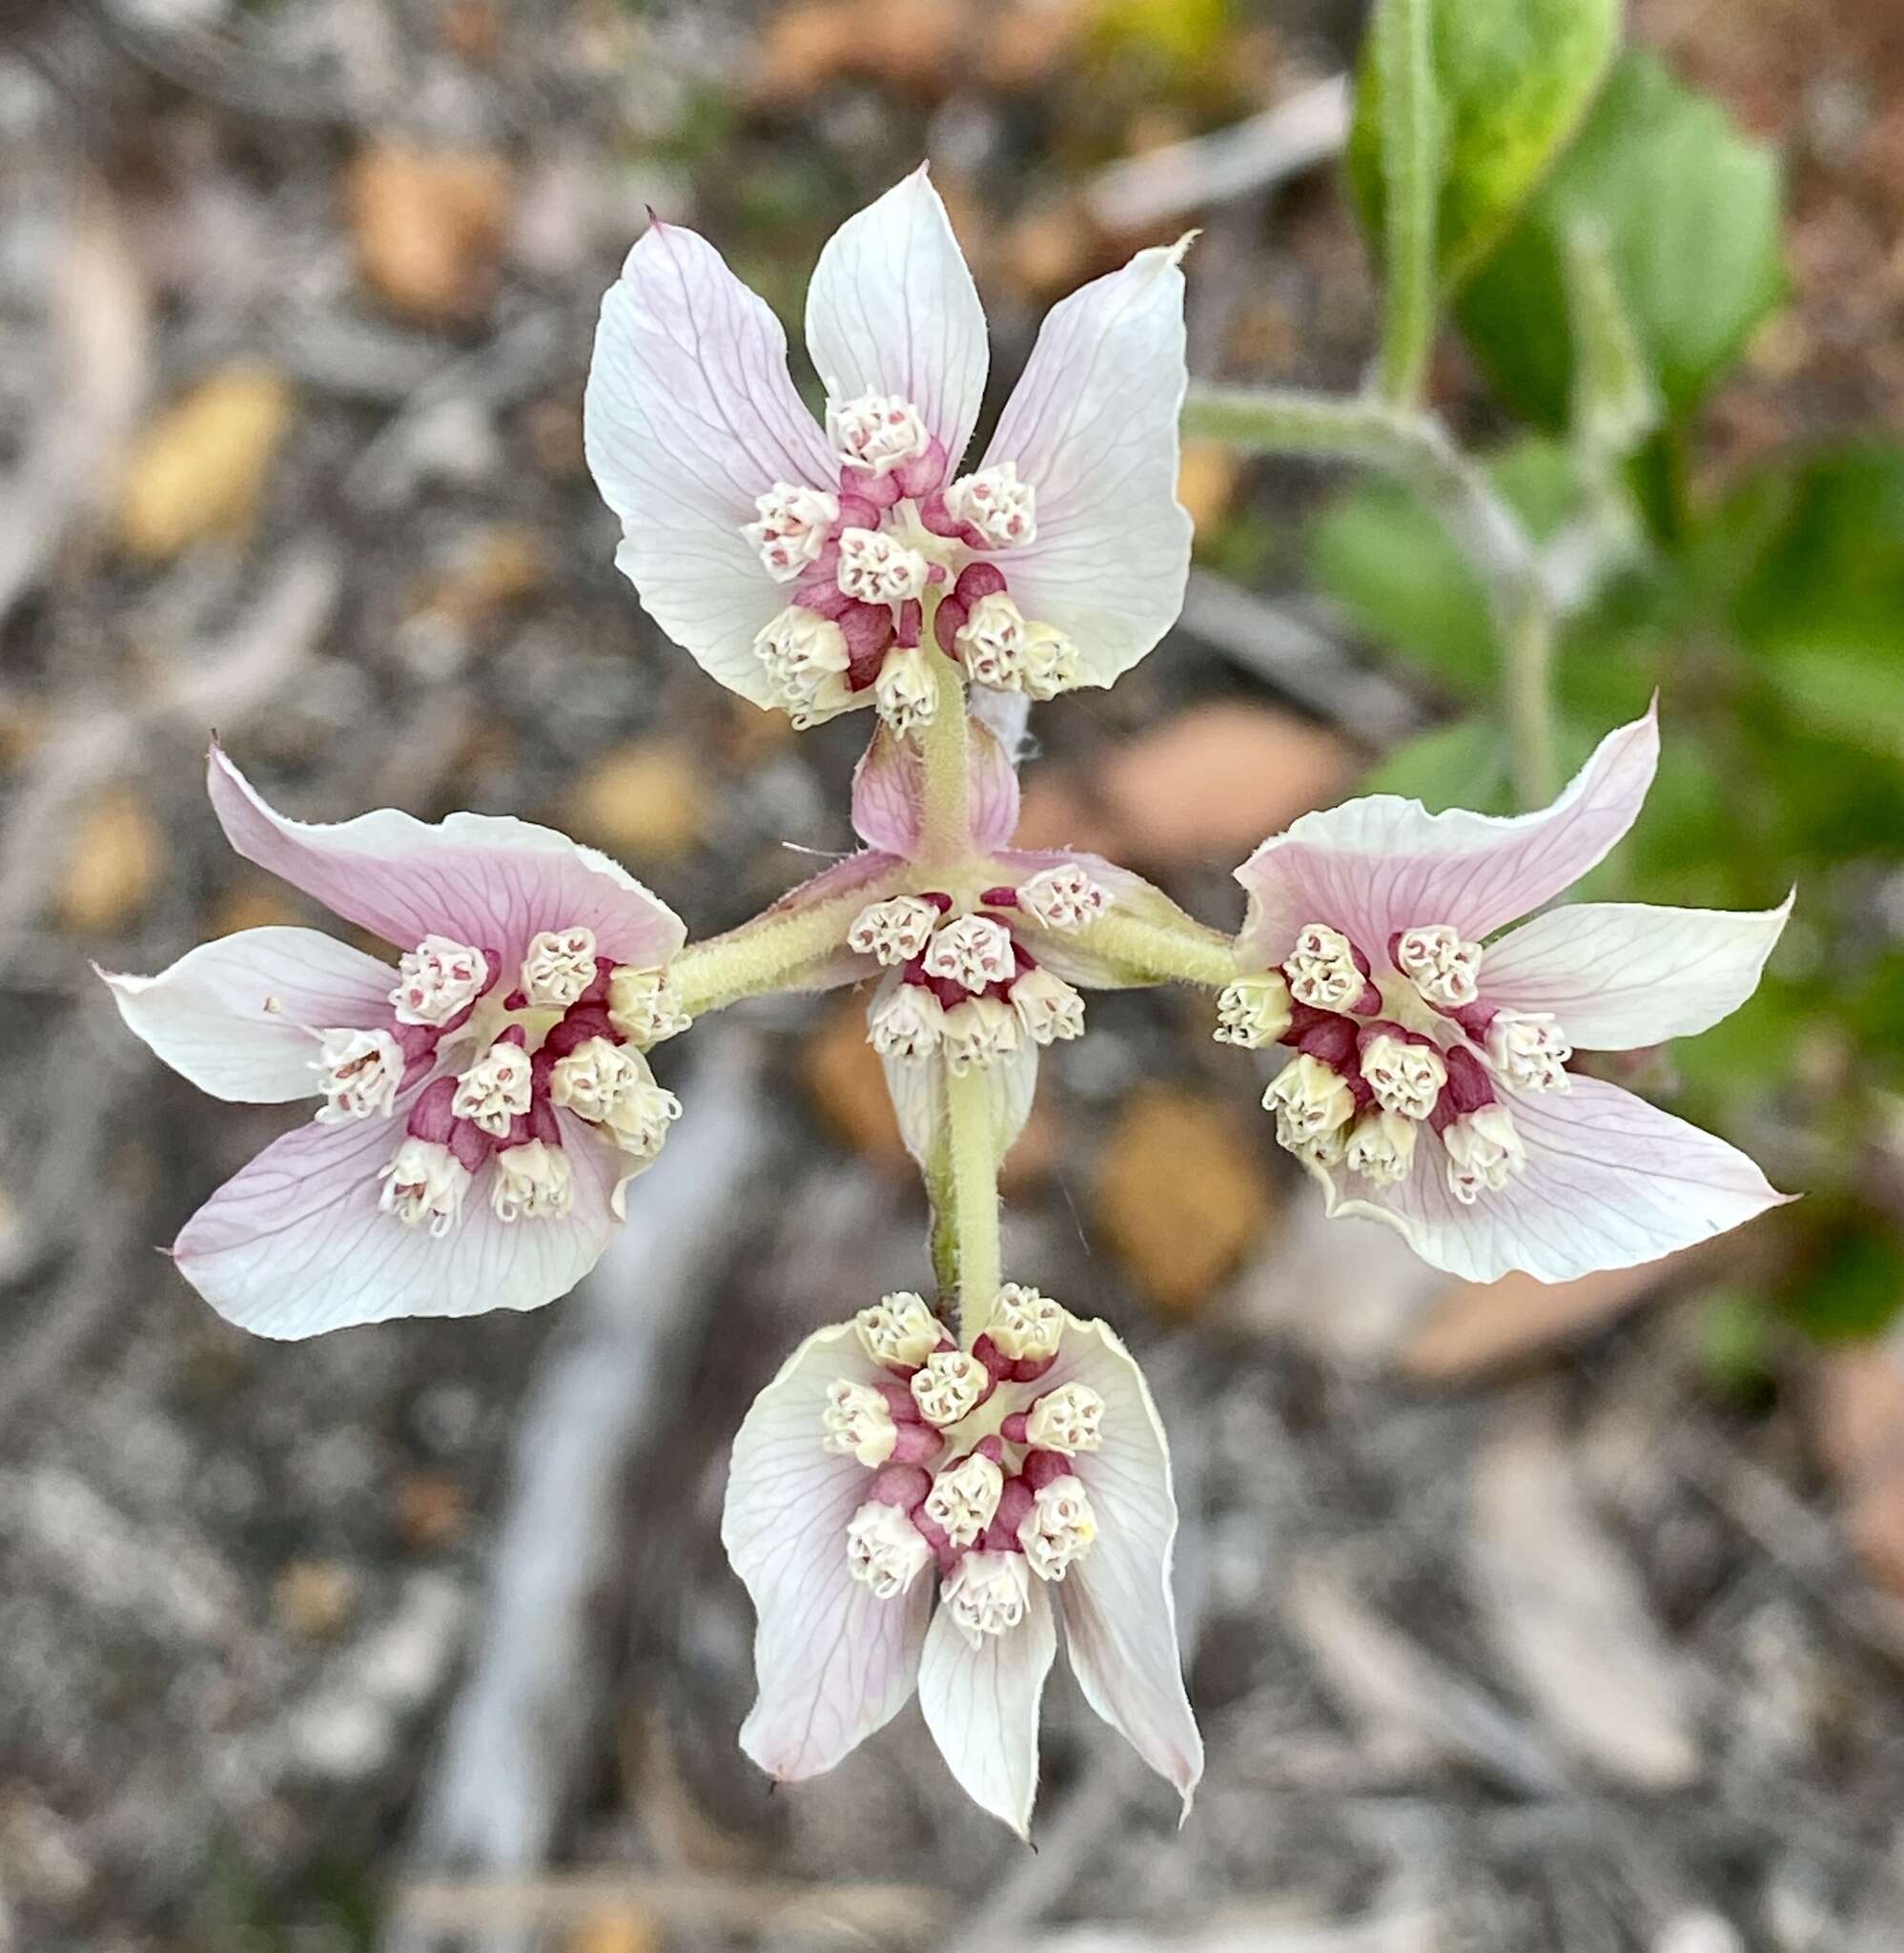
x: 1525, y: 624
x: 1411, y: 152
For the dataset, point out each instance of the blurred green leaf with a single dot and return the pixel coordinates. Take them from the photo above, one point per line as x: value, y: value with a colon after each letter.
x: 1823, y: 553
x: 1691, y: 210
x: 1461, y: 765
x: 1855, y: 1288
x: 1389, y: 563
x: 1615, y: 403
x: 1515, y: 77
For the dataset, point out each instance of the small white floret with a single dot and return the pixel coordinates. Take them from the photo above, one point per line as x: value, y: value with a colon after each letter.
x: 437, y: 981
x: 425, y: 1185
x: 1069, y: 1419
x: 885, y: 1550
x: 985, y: 1595
x: 558, y: 967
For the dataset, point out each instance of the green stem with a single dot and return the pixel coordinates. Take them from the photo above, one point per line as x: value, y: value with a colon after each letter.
x: 943, y: 747
x: 774, y: 951
x: 1526, y: 627
x: 1410, y: 165
x: 1151, y: 953
x: 971, y: 1174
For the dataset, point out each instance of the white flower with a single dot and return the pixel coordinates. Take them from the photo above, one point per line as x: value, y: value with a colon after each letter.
x: 899, y: 1331
x: 1253, y: 1012
x: 1048, y: 1007
x: 885, y: 1550
x: 1063, y: 897
x: 892, y: 932
x: 1024, y: 1325
x: 857, y: 1423
x: 1552, y: 1172
x: 948, y: 1385
x: 558, y: 966
x: 360, y: 1073
x: 973, y: 950
x: 964, y: 1498
x: 1068, y: 1419
x: 1058, y: 1529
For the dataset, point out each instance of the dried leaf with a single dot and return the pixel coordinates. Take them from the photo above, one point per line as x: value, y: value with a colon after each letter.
x: 198, y: 470
x: 1181, y: 1195
x: 429, y: 227
x: 1209, y: 784
x: 114, y: 861
x: 647, y: 799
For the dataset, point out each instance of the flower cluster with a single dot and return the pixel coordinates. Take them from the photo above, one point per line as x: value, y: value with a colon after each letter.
x: 910, y: 1514
x: 924, y: 1494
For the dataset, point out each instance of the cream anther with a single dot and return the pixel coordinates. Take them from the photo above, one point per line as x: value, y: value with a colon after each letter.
x: 1002, y: 508
x: 964, y: 1498
x: 1530, y: 1050
x: 805, y: 659
x: 1024, y: 1325
x: 906, y: 695
x: 878, y: 569
x: 1446, y: 970
x: 1048, y: 1007
x: 1322, y: 969
x: 791, y: 527
x: 907, y: 1021
x: 1252, y: 1011
x: 533, y: 1182
x: 360, y: 1071
x: 558, y: 967
x: 494, y: 1092
x: 1063, y: 897
x: 857, y: 1423
x: 892, y: 932
x: 885, y: 1550
x: 1485, y: 1153
x: 899, y: 1331
x: 978, y: 1032
x: 876, y: 432
x: 950, y: 1382
x: 1058, y: 1529
x: 425, y: 1185
x: 1068, y: 1419
x: 1309, y: 1098
x: 437, y: 981
x: 1405, y: 1077
x: 644, y: 1006
x: 973, y: 950
x: 987, y: 1593
x: 1382, y: 1148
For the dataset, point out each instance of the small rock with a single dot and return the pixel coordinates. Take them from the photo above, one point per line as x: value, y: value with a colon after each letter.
x: 429, y: 227
x: 647, y: 799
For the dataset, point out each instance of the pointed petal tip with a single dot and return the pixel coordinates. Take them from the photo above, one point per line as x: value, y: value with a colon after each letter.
x: 1178, y: 252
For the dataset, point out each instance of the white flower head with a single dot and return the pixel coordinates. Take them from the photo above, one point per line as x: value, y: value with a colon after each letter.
x: 423, y: 1186
x: 973, y: 950
x: 494, y: 1092
x: 804, y: 660
x: 1048, y: 1008
x: 1382, y: 1148
x: 360, y: 1071
x: 1405, y: 1077
x: 1069, y: 1419
x: 1485, y: 1152
x: 644, y: 1006
x: 905, y: 1021
x: 899, y: 1331
x: 437, y: 981
x: 1252, y: 1011
x: 790, y: 527
x: 948, y: 1385
x: 876, y: 432
x: 885, y: 1550
x: 1310, y: 1097
x: 893, y: 931
x: 1002, y: 508
x: 992, y: 642
x: 1530, y: 1050
x: 534, y: 1182
x: 1322, y: 971
x: 1058, y: 1529
x: 1024, y: 1325
x: 906, y: 694
x: 1443, y: 968
x: 857, y: 1423
x: 965, y: 1497
x: 978, y: 1032
x: 987, y: 1595
x: 559, y: 965
x: 1064, y: 896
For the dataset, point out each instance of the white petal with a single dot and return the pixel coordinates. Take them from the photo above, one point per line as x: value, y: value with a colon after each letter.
x: 1621, y: 975
x: 832, y: 1663
x: 1092, y: 426
x: 1610, y: 1181
x: 295, y: 1244
x: 689, y: 414
x: 917, y: 1088
x: 981, y: 1705
x: 483, y: 879
x: 1119, y: 1614
x: 892, y: 309
x: 1380, y: 864
x: 235, y: 1015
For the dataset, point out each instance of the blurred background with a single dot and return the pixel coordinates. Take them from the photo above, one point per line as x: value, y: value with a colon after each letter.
x: 1517, y: 1619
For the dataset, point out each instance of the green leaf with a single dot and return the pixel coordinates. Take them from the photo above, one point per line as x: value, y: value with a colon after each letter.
x: 1691, y: 209
x: 1461, y: 765
x: 1615, y: 404
x: 1854, y: 1288
x: 1514, y: 78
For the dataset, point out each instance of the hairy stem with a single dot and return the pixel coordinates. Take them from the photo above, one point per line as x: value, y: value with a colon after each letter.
x: 777, y: 950
x: 1525, y: 623
x: 943, y: 747
x: 1411, y: 171
x: 1153, y: 953
x: 971, y: 1174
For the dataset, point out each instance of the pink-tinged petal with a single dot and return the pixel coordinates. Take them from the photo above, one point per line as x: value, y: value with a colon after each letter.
x: 1092, y: 427
x: 1068, y: 953
x: 892, y: 309
x: 235, y: 1015
x: 689, y: 414
x: 981, y: 1705
x: 832, y: 1663
x: 917, y: 1088
x: 1119, y: 1614
x: 1610, y: 1181
x: 294, y: 1244
x: 1380, y: 864
x: 888, y: 793
x: 484, y: 879
x: 1622, y: 975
